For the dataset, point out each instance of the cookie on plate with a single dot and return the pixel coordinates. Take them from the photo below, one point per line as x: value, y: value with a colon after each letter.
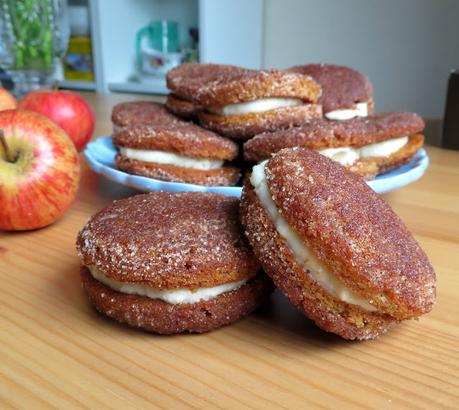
x: 346, y: 93
x: 185, y: 80
x: 131, y: 113
x: 333, y: 246
x: 180, y: 152
x: 367, y: 146
x: 241, y: 105
x: 171, y: 262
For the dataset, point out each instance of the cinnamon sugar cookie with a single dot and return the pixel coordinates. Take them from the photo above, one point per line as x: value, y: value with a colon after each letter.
x: 240, y: 105
x: 367, y: 146
x: 346, y: 93
x: 171, y: 262
x: 333, y: 246
x: 179, y: 152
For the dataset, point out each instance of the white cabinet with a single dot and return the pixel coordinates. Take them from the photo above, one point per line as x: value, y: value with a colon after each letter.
x: 230, y: 31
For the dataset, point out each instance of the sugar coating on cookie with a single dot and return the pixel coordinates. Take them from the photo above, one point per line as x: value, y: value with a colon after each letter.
x: 185, y: 80
x: 346, y: 93
x: 333, y: 246
x: 175, y: 257
x: 255, y: 85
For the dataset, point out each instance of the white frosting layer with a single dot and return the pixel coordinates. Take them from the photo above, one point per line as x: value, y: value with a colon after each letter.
x: 255, y: 106
x: 361, y: 110
x: 173, y: 296
x: 163, y: 157
x: 303, y: 254
x: 348, y: 155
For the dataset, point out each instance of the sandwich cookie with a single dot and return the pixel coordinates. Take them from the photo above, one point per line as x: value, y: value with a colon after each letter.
x: 171, y: 262
x: 346, y: 93
x: 367, y: 146
x: 242, y: 105
x: 132, y: 113
x: 181, y: 152
x: 185, y: 80
x: 333, y: 246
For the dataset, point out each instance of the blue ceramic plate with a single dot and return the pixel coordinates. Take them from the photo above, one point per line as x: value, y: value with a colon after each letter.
x: 100, y: 155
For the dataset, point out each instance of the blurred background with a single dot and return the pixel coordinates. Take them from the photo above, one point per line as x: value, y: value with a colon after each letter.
x: 407, y: 48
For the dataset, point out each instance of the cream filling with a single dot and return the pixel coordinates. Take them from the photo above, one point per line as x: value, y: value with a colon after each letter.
x: 173, y: 296
x: 255, y: 106
x: 348, y: 155
x: 303, y: 254
x: 169, y: 158
x: 360, y: 110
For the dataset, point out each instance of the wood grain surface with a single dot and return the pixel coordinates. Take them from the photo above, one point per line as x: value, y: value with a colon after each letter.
x: 57, y: 352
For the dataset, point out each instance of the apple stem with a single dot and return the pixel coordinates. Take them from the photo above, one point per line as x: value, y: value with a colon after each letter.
x: 4, y: 144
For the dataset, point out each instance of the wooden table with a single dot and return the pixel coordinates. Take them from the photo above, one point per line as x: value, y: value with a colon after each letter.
x: 56, y: 351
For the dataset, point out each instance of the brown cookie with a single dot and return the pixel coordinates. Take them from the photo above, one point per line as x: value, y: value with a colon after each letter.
x: 164, y: 318
x: 356, y: 133
x: 251, y: 85
x: 182, y: 138
x: 226, y: 175
x: 373, y: 166
x: 180, y: 152
x: 141, y: 112
x: 358, y: 269
x: 342, y: 87
x: 245, y: 126
x: 141, y: 250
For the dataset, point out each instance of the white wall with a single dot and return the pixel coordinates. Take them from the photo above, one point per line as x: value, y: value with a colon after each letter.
x: 406, y: 47
x: 231, y: 32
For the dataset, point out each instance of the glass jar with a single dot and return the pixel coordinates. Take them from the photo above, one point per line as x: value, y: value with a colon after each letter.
x: 34, y: 36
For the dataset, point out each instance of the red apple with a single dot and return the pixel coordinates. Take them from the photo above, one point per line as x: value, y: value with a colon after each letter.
x: 66, y: 109
x: 7, y: 100
x: 39, y: 170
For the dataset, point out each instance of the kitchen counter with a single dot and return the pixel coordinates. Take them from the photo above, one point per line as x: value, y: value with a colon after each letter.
x: 56, y: 351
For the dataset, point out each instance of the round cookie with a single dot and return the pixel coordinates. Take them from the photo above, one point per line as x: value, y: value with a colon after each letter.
x: 171, y: 262
x: 181, y: 152
x: 241, y: 105
x: 355, y: 134
x: 342, y: 87
x: 250, y: 85
x: 131, y: 113
x: 185, y: 80
x: 333, y: 246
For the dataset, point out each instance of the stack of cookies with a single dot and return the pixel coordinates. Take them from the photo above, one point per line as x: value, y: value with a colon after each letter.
x: 307, y: 222
x: 325, y: 107
x: 183, y: 262
x: 196, y: 136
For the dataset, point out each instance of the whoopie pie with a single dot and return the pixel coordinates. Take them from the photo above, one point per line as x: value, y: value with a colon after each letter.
x: 171, y: 262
